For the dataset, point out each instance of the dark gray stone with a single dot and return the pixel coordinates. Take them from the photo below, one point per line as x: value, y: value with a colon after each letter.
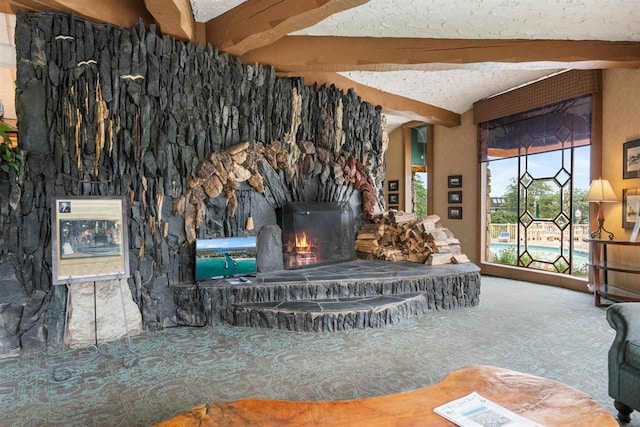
x: 31, y: 107
x: 11, y: 291
x: 190, y: 102
x: 269, y: 249
x: 9, y: 321
x: 158, y: 306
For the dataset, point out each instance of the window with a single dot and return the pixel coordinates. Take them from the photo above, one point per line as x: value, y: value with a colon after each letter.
x: 419, y: 169
x: 536, y: 169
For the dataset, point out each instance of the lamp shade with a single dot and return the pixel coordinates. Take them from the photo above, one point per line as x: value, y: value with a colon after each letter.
x: 600, y: 191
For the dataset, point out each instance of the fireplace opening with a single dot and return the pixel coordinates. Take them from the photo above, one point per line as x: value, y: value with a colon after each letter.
x: 315, y: 233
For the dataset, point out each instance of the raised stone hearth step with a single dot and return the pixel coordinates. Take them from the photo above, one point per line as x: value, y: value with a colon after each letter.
x: 216, y: 302
x: 328, y: 315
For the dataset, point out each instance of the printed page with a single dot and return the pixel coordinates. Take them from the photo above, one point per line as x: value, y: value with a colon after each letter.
x: 474, y: 410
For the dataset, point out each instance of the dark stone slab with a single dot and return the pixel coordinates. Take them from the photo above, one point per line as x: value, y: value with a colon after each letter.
x: 9, y: 321
x: 312, y: 316
x: 443, y: 287
x: 269, y: 249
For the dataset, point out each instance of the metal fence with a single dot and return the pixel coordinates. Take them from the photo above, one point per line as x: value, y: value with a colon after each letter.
x: 542, y: 232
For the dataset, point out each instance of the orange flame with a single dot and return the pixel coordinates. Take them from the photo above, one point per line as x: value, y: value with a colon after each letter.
x: 302, y: 245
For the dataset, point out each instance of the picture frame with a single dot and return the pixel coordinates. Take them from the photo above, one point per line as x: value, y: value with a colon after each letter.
x: 454, y: 197
x: 454, y: 181
x: 89, y: 239
x: 630, y: 207
x: 394, y: 207
x: 393, y: 198
x: 454, y: 212
x: 393, y: 185
x: 631, y: 159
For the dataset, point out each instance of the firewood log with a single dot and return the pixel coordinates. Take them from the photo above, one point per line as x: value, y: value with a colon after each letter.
x: 234, y: 149
x: 438, y: 259
x: 459, y: 259
x: 367, y: 236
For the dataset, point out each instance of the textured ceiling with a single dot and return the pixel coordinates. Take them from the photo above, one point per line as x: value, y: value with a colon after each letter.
x: 491, y: 19
x: 455, y: 90
x: 457, y: 86
x: 205, y: 10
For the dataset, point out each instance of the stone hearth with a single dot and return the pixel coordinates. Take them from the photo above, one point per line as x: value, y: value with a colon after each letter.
x: 354, y: 294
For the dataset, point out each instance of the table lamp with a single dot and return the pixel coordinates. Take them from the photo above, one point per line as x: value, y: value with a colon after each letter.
x: 600, y: 191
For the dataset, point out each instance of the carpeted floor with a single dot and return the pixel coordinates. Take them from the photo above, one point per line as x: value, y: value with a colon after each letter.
x: 546, y: 331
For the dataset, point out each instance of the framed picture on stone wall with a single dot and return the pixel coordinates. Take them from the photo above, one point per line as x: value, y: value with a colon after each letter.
x: 89, y: 239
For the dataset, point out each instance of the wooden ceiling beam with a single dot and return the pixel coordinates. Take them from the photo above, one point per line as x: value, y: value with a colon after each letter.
x: 174, y: 17
x: 124, y: 13
x: 257, y: 23
x: 327, y: 53
x: 391, y: 103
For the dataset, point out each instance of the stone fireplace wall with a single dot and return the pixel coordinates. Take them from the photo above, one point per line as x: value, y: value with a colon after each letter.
x: 105, y: 110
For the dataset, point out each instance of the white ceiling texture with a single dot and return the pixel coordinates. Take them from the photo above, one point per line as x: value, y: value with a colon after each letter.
x: 457, y: 87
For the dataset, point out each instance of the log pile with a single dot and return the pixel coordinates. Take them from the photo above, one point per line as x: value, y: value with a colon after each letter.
x: 400, y: 236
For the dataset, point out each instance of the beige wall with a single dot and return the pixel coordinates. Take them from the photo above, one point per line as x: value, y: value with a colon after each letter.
x: 455, y: 153
x: 620, y: 124
x: 395, y: 164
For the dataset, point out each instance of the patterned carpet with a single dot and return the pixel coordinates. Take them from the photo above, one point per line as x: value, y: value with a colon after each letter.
x: 546, y: 331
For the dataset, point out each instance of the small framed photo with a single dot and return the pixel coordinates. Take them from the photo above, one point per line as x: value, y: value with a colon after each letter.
x: 630, y: 207
x: 394, y: 199
x: 89, y: 239
x: 455, y: 197
x: 454, y: 181
x: 393, y: 185
x: 394, y: 207
x: 455, y: 212
x: 631, y: 161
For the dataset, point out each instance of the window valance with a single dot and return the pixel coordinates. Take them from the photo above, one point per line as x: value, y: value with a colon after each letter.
x: 557, y: 126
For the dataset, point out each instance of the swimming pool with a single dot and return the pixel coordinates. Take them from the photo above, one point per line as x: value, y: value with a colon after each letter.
x: 546, y: 253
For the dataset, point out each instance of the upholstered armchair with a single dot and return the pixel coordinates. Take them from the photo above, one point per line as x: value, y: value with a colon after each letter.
x: 624, y: 358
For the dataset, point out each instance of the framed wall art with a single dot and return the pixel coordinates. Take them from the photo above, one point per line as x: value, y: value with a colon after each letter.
x: 89, y: 239
x: 454, y: 196
x: 631, y: 159
x: 630, y: 207
x: 394, y: 207
x: 394, y: 199
x: 393, y: 185
x: 455, y: 212
x: 454, y: 181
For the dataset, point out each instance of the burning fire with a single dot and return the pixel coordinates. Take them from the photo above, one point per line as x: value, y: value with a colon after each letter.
x: 301, y: 252
x: 302, y: 244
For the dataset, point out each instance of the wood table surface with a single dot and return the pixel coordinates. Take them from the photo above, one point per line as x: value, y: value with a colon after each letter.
x: 548, y: 402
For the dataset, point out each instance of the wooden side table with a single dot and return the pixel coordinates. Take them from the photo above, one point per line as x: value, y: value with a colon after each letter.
x: 600, y: 266
x: 548, y: 402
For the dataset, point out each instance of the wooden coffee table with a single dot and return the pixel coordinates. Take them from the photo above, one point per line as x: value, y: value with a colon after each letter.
x: 548, y: 402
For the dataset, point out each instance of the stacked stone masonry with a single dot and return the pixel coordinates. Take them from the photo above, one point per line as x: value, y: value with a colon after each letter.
x: 104, y: 110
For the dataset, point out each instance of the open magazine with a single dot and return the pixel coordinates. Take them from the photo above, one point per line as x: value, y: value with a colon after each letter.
x: 474, y: 410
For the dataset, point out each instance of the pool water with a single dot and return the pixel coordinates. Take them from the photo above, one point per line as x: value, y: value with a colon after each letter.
x: 546, y: 253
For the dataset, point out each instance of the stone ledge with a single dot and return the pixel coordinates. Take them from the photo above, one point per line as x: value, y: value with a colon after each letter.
x: 444, y: 287
x: 311, y: 316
